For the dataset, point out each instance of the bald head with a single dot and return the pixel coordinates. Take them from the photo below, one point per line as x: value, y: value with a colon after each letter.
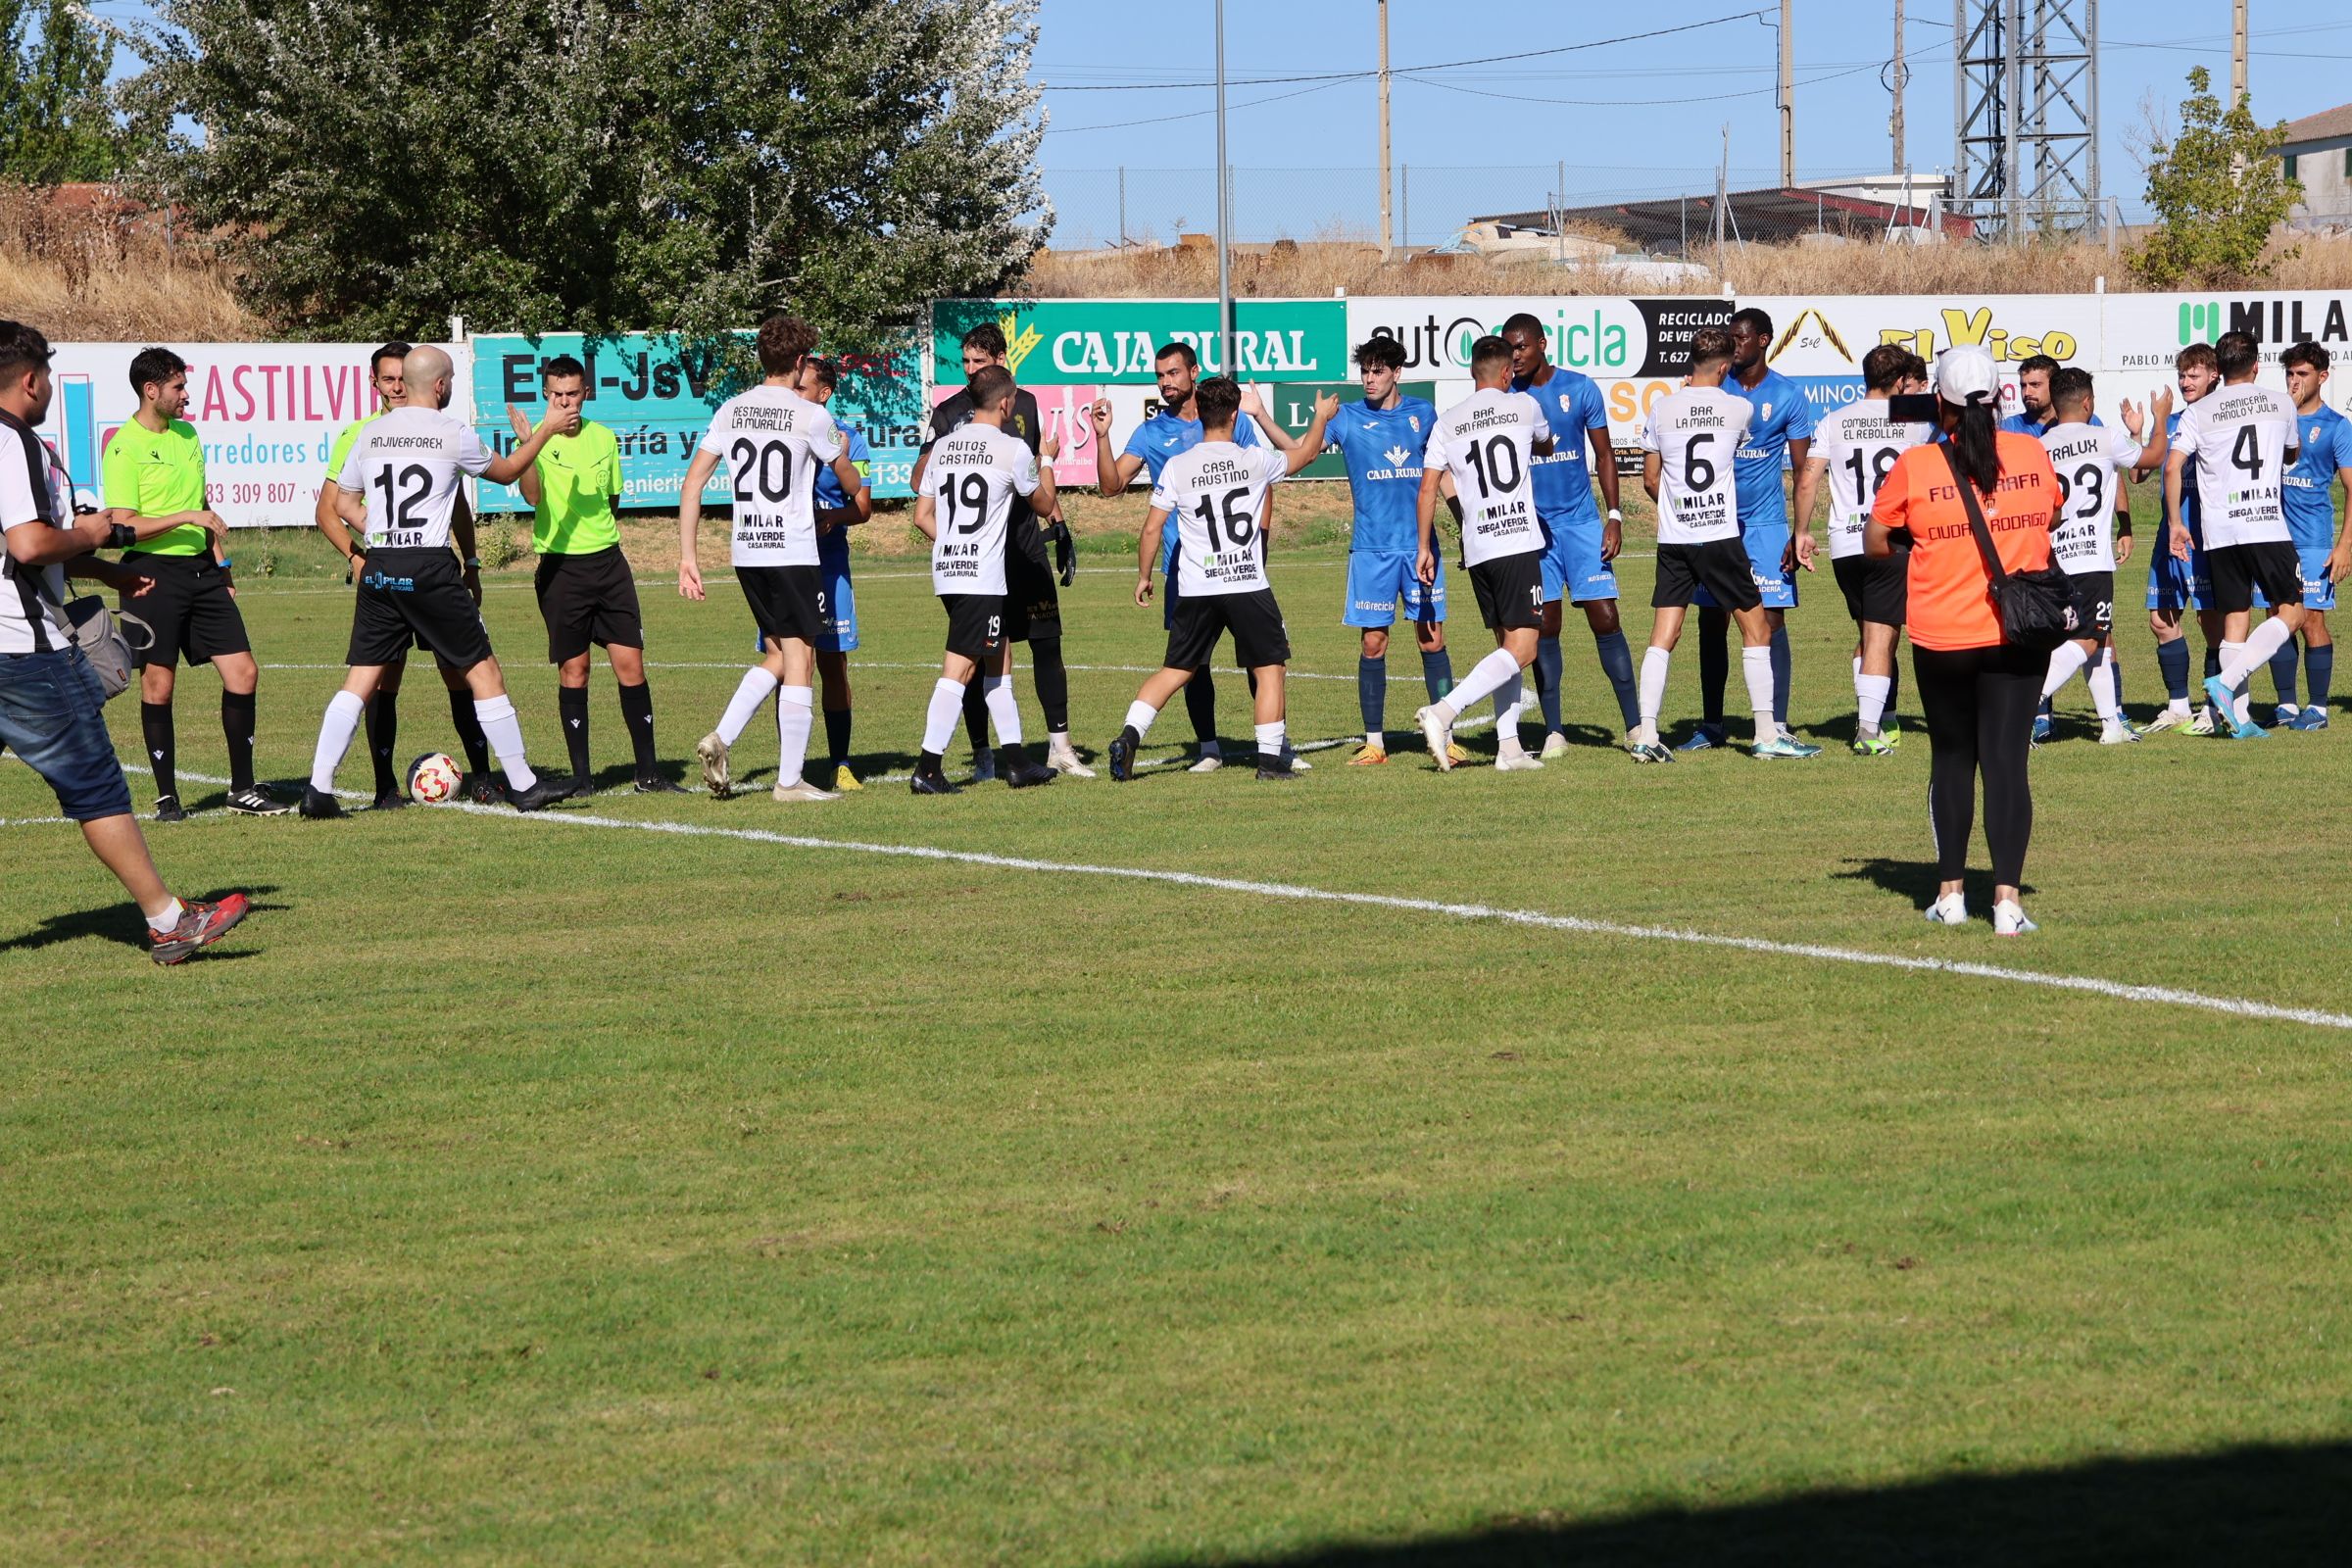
x: 426, y: 377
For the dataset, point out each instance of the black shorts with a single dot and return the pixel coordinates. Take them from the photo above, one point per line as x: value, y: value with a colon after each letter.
x: 1510, y: 591
x: 2094, y: 599
x: 416, y: 598
x: 189, y: 610
x: 1032, y: 597
x: 1259, y: 637
x: 786, y: 601
x: 1720, y: 565
x: 1876, y: 588
x: 586, y: 600
x: 975, y: 624
x: 2239, y: 569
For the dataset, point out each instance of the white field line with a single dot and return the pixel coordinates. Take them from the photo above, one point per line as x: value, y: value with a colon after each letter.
x: 2114, y: 989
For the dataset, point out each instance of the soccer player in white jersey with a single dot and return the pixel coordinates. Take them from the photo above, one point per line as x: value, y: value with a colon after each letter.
x: 402, y: 480
x: 1217, y: 495
x: 1687, y: 444
x: 2087, y: 458
x: 965, y: 503
x: 1852, y: 451
x: 774, y: 443
x: 2242, y: 437
x: 1488, y: 443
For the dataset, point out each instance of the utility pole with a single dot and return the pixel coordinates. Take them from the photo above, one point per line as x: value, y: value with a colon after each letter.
x: 1896, y: 125
x: 1388, y: 234
x: 2238, y: 52
x: 1224, y: 218
x: 1789, y: 93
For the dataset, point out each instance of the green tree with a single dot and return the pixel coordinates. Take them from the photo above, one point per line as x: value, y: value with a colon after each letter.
x: 56, y: 122
x: 604, y: 164
x: 2219, y: 188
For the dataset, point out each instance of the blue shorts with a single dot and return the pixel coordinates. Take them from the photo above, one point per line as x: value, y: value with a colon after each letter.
x: 836, y: 603
x: 2318, y: 592
x: 53, y: 717
x: 1381, y: 582
x: 2174, y: 586
x: 1765, y: 549
x: 1572, y: 565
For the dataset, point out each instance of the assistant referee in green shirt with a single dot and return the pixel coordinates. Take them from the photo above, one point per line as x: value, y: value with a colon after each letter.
x: 586, y: 594
x: 154, y: 469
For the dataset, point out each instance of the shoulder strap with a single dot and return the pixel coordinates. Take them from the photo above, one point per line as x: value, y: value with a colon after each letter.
x: 33, y: 582
x: 1976, y: 516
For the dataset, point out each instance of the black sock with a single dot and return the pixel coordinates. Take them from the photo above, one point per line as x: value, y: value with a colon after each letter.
x: 1053, y: 680
x: 637, y: 714
x: 975, y: 715
x: 154, y: 722
x: 837, y: 737
x: 383, y: 734
x: 1200, y: 704
x: 571, y: 707
x: 469, y: 731
x: 237, y: 723
x: 1714, y: 663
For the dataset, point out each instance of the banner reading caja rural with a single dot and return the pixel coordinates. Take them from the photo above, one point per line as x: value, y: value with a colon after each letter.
x: 657, y: 393
x: 1112, y: 342
x: 267, y: 415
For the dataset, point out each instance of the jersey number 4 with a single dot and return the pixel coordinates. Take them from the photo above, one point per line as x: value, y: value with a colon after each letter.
x: 2246, y: 456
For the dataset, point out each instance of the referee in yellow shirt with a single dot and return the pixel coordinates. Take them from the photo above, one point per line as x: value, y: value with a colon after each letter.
x: 154, y: 469
x: 586, y: 594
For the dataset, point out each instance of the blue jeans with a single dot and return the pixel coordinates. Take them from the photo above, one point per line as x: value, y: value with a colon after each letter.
x: 53, y: 717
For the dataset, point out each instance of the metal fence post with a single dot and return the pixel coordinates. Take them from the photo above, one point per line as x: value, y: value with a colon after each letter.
x: 1122, y: 206
x: 1404, y: 174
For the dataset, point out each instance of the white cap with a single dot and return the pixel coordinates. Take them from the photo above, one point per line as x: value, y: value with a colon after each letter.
x: 1967, y: 375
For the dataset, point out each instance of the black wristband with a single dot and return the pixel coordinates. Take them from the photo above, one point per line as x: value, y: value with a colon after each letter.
x: 121, y: 536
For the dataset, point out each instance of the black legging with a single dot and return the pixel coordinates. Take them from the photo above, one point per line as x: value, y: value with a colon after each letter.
x: 1979, y: 704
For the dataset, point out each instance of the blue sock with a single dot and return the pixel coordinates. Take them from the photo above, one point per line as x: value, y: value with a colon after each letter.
x: 2319, y: 665
x: 1617, y: 663
x: 1436, y: 673
x: 2283, y: 671
x: 2173, y: 658
x: 2048, y: 708
x: 1372, y: 693
x: 1548, y: 665
x: 1781, y: 663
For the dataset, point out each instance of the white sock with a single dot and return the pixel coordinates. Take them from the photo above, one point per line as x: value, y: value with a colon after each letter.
x: 1870, y: 700
x: 1485, y: 677
x: 503, y: 732
x: 2102, y: 691
x: 343, y: 713
x: 941, y: 720
x: 2241, y: 660
x: 1655, y: 663
x: 1002, y: 709
x: 1059, y: 740
x: 2068, y: 658
x: 168, y: 920
x: 1509, y: 698
x: 1270, y: 742
x: 1755, y: 664
x: 1140, y: 715
x: 754, y: 689
x: 796, y: 711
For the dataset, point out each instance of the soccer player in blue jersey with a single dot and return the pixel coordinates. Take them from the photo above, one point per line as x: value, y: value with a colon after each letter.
x: 1380, y: 439
x: 1579, y: 543
x: 837, y: 511
x: 1780, y: 430
x: 2174, y: 585
x: 2325, y: 555
x: 1175, y: 428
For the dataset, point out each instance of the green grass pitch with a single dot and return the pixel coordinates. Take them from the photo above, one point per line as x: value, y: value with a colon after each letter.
x: 519, y: 1190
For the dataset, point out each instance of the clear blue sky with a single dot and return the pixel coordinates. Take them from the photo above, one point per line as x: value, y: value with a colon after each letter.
x: 1641, y: 116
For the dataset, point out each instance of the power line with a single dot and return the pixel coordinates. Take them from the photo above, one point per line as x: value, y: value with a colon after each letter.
x: 1640, y: 103
x: 1162, y: 120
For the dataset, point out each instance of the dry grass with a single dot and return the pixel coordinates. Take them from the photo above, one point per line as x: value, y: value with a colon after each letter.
x: 96, y: 272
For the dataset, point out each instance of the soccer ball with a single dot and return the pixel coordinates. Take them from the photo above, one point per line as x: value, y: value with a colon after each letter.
x: 433, y: 778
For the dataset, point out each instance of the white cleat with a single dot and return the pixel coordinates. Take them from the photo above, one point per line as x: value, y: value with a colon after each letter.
x: 712, y: 752
x: 803, y: 790
x: 1950, y: 909
x: 2009, y: 919
x: 1063, y: 759
x: 2169, y: 719
x: 1555, y: 743
x: 1438, y: 731
x: 1292, y: 759
x: 1516, y: 762
x: 2118, y: 735
x: 1209, y: 763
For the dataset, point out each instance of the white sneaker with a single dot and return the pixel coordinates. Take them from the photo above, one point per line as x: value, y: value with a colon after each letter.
x: 2117, y: 734
x: 1517, y: 760
x: 1950, y: 909
x: 1290, y: 759
x: 1555, y: 743
x: 2169, y: 719
x: 803, y: 790
x: 2009, y: 919
x: 1439, y: 734
x: 2202, y: 725
x: 1209, y: 763
x: 1063, y: 758
x: 712, y: 752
